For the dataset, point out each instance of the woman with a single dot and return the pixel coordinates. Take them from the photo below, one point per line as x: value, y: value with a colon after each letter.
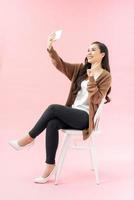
x: 90, y: 82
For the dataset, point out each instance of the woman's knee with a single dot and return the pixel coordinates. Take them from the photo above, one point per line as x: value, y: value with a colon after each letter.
x: 52, y: 106
x: 55, y: 108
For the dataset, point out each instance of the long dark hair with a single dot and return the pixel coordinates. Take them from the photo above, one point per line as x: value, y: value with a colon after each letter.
x: 105, y: 65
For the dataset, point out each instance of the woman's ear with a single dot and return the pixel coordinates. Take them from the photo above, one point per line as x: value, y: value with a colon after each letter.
x: 103, y: 54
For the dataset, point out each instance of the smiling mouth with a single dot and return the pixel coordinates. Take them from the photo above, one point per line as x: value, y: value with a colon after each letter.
x: 89, y: 57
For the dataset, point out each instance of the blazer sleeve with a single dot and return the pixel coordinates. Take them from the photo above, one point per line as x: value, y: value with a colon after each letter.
x: 66, y: 68
x: 97, y: 92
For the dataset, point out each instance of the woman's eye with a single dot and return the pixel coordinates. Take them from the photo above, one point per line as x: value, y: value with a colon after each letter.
x: 91, y: 50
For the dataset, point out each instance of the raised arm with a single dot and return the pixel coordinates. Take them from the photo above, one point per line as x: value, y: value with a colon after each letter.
x: 68, y: 69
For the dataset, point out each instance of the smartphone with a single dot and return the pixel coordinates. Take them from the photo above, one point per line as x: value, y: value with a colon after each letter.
x: 58, y: 34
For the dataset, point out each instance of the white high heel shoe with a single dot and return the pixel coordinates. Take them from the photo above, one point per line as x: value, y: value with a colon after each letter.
x: 16, y: 146
x: 41, y: 179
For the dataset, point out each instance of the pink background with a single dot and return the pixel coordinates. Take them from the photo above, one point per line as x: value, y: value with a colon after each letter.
x: 29, y: 83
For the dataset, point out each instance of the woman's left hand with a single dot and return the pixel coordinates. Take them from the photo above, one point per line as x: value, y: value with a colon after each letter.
x: 90, y: 72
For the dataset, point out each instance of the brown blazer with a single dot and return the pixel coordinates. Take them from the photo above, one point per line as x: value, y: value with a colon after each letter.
x: 96, y: 89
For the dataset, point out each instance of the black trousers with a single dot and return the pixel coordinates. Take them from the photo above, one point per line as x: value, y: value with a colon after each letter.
x: 57, y: 117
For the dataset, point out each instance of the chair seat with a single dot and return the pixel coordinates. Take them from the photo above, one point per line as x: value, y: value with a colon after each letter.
x: 72, y: 131
x: 75, y: 131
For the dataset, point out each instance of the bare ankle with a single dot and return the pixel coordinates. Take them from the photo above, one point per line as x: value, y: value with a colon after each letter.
x: 25, y: 140
x: 48, y: 169
x: 50, y: 165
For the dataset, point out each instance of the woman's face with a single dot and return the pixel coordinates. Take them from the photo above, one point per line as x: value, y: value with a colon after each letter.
x: 94, y: 55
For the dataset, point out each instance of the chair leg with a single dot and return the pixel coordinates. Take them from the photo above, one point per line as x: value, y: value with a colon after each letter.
x: 62, y: 157
x: 94, y: 160
x: 91, y: 159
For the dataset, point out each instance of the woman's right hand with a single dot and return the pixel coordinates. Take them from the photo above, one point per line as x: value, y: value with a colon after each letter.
x: 51, y: 39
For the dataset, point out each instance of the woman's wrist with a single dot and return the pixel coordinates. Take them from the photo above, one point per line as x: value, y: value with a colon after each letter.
x: 49, y: 46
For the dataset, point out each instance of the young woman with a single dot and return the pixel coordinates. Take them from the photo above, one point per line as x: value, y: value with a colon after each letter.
x: 90, y: 83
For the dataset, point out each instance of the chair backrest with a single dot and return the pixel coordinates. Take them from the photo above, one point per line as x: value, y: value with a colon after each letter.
x: 97, y: 115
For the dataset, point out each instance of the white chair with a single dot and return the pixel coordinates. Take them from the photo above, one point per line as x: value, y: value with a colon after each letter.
x: 90, y: 145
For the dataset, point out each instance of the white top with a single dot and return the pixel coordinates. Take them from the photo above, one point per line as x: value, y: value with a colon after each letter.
x: 81, y: 101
